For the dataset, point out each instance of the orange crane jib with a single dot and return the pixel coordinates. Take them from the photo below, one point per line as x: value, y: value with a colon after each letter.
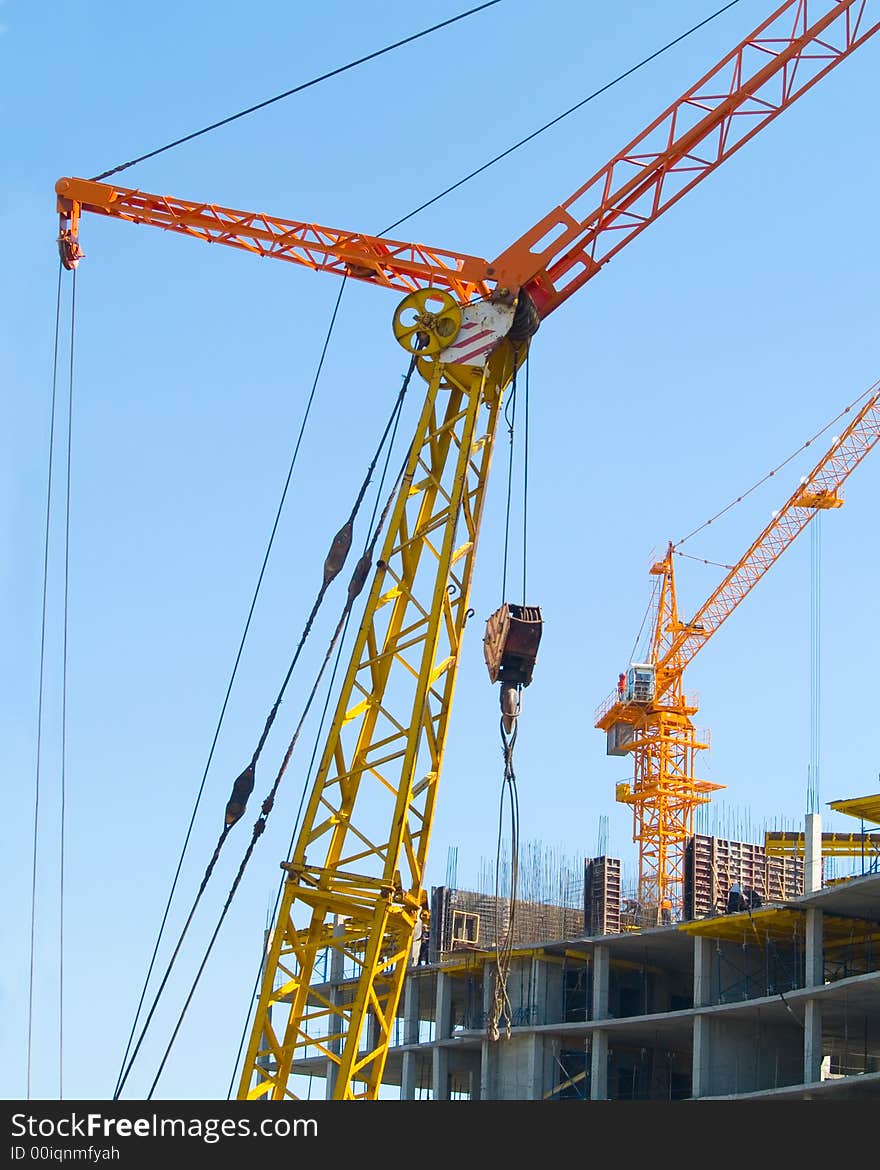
x: 355, y: 883
x: 783, y: 58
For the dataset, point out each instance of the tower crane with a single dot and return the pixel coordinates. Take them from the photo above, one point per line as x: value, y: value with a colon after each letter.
x: 649, y: 715
x: 354, y: 884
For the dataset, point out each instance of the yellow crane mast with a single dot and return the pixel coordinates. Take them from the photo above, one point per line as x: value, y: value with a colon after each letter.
x: 649, y: 715
x: 355, y: 882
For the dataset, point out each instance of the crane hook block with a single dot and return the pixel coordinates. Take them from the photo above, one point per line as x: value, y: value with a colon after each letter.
x: 241, y: 790
x: 510, y: 644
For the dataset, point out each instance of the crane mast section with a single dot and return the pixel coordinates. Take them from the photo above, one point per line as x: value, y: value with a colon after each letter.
x: 389, y: 263
x: 354, y: 891
x: 783, y: 58
x: 819, y: 490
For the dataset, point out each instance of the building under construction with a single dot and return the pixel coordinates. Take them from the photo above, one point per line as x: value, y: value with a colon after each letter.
x: 736, y: 968
x: 779, y: 999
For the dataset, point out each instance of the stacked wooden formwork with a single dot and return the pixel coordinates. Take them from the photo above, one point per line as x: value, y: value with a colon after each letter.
x: 467, y: 920
x: 714, y: 864
x: 602, y: 895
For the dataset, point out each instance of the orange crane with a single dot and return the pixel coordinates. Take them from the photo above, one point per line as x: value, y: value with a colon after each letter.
x: 649, y: 715
x: 354, y: 889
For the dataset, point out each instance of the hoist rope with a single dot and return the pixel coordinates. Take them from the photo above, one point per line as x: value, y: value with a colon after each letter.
x: 553, y: 121
x: 500, y: 1008
x: 270, y: 719
x: 289, y: 93
x: 41, y: 684
x: 525, y: 518
x: 510, y: 419
x: 355, y: 586
x: 778, y: 467
x: 234, y: 672
x: 315, y: 747
x: 62, y: 811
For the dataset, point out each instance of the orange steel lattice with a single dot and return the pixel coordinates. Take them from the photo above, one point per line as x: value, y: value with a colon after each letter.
x: 390, y: 263
x: 665, y: 791
x: 777, y: 63
x: 783, y: 58
x: 791, y: 50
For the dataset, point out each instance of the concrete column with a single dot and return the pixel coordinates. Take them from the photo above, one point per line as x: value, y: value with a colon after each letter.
x: 601, y: 982
x: 599, y: 1065
x: 812, y: 1042
x: 538, y: 1006
x: 814, y: 976
x: 443, y: 1030
x: 408, y: 1077
x: 443, y: 1007
x: 812, y: 853
x: 411, y: 1010
x: 701, y: 1058
x: 704, y: 994
x: 599, y: 1011
x: 410, y: 1036
x: 534, y: 1089
x: 704, y: 952
x: 337, y: 970
x: 440, y: 1073
x: 487, y: 1048
x: 814, y: 973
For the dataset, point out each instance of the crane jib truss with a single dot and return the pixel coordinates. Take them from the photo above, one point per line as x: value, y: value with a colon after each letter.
x: 658, y: 732
x: 356, y: 873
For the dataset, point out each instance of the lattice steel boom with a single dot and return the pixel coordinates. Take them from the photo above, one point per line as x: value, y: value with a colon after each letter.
x: 355, y: 883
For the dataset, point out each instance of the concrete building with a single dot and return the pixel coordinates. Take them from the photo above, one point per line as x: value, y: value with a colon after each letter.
x: 779, y: 1003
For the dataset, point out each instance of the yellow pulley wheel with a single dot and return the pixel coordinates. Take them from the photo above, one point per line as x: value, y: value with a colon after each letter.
x: 427, y: 321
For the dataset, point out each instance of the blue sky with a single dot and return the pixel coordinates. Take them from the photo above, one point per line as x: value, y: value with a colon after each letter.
x: 705, y: 353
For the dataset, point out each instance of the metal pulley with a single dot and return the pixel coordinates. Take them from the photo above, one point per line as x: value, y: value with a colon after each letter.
x: 427, y: 321
x: 510, y: 647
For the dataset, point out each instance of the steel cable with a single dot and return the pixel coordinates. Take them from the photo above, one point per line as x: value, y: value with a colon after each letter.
x: 270, y: 719
x: 266, y: 808
x: 232, y: 677
x: 290, y: 92
x: 41, y: 685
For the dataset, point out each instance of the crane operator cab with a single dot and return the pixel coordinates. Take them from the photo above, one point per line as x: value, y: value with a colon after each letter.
x: 639, y: 683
